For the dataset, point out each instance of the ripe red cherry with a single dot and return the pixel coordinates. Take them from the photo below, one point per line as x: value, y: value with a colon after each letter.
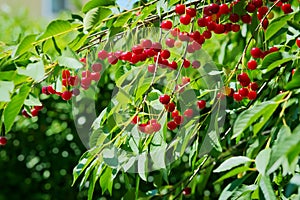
x: 257, y: 3
x: 185, y: 80
x: 250, y: 7
x: 112, y: 59
x: 188, y: 113
x: 3, y: 141
x: 206, y: 34
x: 156, y: 127
x: 235, y: 27
x: 178, y: 120
x: 256, y: 52
x: 51, y: 90
x: 34, y: 112
x: 164, y: 99
x: 265, y: 24
x: 165, y: 54
x: 66, y: 95
x: 234, y: 17
x: 170, y: 42
x: 170, y: 107
x: 214, y: 8
x: 187, y: 191
x: 196, y: 64
x: 273, y: 49
x: 25, y: 113
x: 95, y: 76
x: 97, y: 67
x: 65, y: 74
x: 253, y: 86
x: 180, y: 9
x: 145, y: 43
x: 171, y: 125
x: 102, y: 54
x: 135, y: 119
x: 45, y: 90
x: 166, y: 24
x: 237, y: 97
x: 243, y: 92
x: 151, y: 68
x: 186, y: 63
x: 298, y: 42
x: 175, y: 113
x: 224, y: 9
x: 39, y: 107
x: 185, y: 19
x: 173, y: 65
x: 246, y: 18
x: 252, y: 64
x: 201, y: 22
x: 244, y: 79
x: 286, y: 8
x: 201, y: 104
x: 252, y: 95
x: 191, y: 12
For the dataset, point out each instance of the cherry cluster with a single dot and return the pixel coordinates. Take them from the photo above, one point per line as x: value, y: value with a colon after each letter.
x: 33, y: 111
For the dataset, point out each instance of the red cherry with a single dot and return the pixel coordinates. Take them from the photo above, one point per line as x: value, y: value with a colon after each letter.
x: 86, y: 73
x: 112, y: 59
x: 257, y: 3
x: 185, y: 80
x: 243, y: 92
x: 3, y: 141
x: 173, y: 65
x: 235, y: 27
x: 51, y: 90
x: 39, y: 107
x: 151, y: 68
x: 298, y: 42
x: 265, y: 24
x: 178, y: 120
x: 165, y: 54
x: 201, y: 104
x: 224, y: 9
x: 252, y: 95
x: 186, y: 63
x: 170, y: 42
x: 86, y: 82
x: 191, y: 12
x: 286, y: 8
x: 175, y: 32
x: 253, y: 86
x: 66, y: 95
x: 187, y: 191
x: 175, y: 113
x: 135, y: 119
x: 206, y: 34
x: 156, y: 127
x: 164, y: 99
x: 201, y: 22
x: 237, y: 97
x: 214, y: 8
x: 252, y: 64
x: 149, y: 129
x: 65, y: 82
x: 185, y: 19
x: 170, y: 107
x: 25, y: 113
x: 142, y: 127
x: 97, y: 67
x: 273, y: 49
x: 246, y: 18
x: 234, y: 17
x: 102, y: 54
x: 34, y: 112
x: 256, y: 52
x: 156, y: 46
x: 196, y: 64
x: 220, y: 28
x: 145, y: 43
x: 250, y: 7
x: 83, y: 60
x: 95, y: 76
x: 188, y: 113
x: 262, y: 11
x: 65, y: 74
x: 180, y: 9
x: 244, y: 79
x: 45, y: 90
x: 166, y: 24
x: 171, y: 125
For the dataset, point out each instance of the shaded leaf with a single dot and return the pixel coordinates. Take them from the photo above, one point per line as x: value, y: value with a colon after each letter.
x: 266, y: 187
x: 276, y: 25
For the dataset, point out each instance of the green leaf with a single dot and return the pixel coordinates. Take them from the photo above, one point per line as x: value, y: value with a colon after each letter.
x: 25, y: 45
x: 14, y: 106
x: 56, y: 28
x: 142, y: 162
x: 231, y: 188
x: 266, y: 187
x: 274, y: 60
x: 262, y: 160
x: 271, y: 58
x: 69, y: 62
x: 295, y: 82
x: 122, y: 20
x: 32, y: 101
x: 34, y: 70
x: 97, y: 3
x: 6, y: 87
x: 264, y: 109
x: 106, y: 180
x: 276, y: 25
x: 94, y: 17
x: 232, y: 173
x: 231, y: 163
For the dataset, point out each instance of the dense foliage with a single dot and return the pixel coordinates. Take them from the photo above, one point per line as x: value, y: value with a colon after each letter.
x: 172, y: 99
